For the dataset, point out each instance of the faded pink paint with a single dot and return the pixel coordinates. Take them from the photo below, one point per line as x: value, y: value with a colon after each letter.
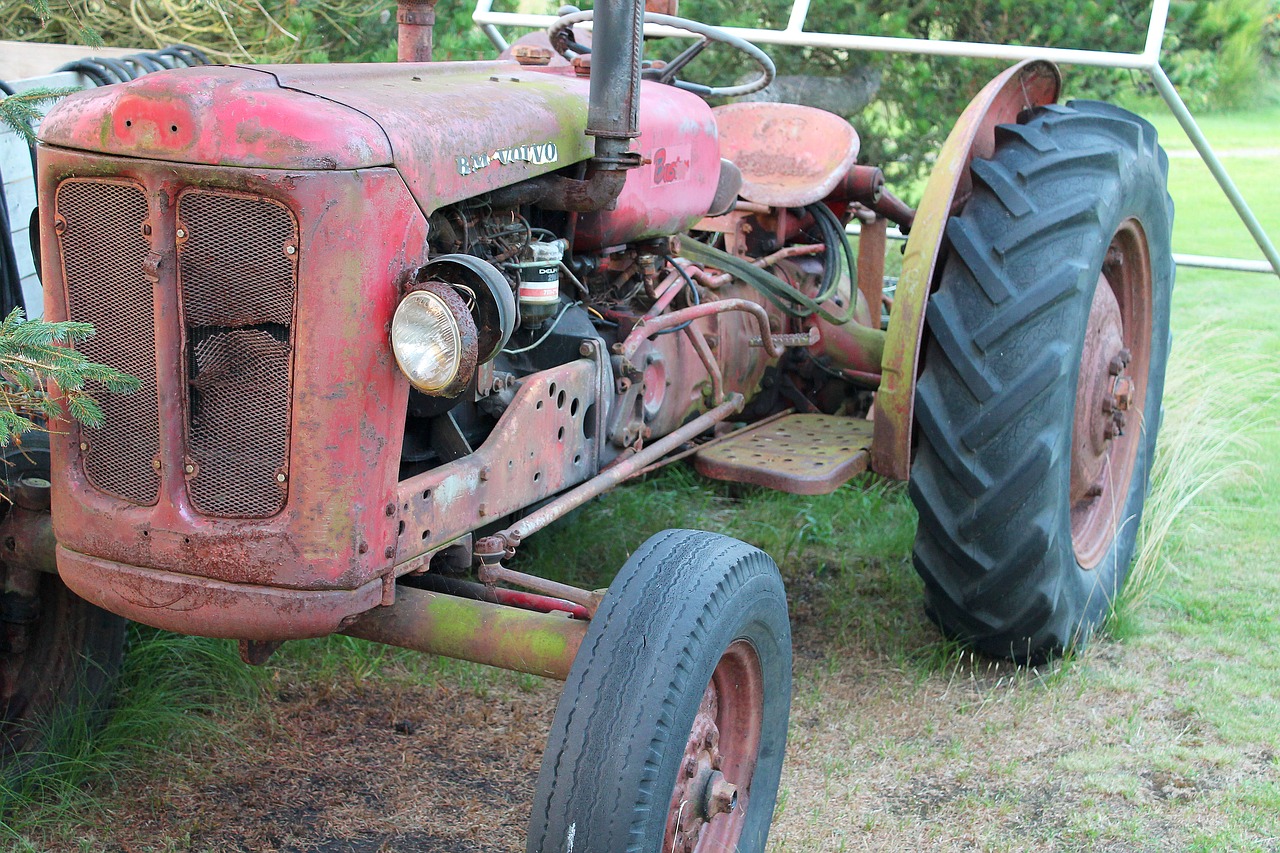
x: 790, y: 155
x: 222, y: 116
x: 348, y: 404
x: 674, y: 187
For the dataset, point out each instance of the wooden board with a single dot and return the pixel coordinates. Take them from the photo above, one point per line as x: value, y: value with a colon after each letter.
x: 22, y: 59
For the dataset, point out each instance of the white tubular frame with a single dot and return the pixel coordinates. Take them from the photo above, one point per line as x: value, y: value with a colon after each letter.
x: 1147, y: 61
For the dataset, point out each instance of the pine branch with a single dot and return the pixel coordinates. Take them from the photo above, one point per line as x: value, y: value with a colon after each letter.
x: 35, y: 354
x: 41, y: 8
x: 22, y: 112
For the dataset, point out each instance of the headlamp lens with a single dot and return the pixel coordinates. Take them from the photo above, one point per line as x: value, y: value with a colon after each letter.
x: 426, y: 341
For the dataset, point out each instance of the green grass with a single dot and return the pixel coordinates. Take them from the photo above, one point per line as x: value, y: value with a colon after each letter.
x: 1207, y: 601
x: 174, y: 693
x: 1255, y: 128
x: 1205, y: 223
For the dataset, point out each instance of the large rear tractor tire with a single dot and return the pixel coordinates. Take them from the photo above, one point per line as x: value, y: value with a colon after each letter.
x: 670, y: 732
x: 59, y: 654
x: 1040, y: 397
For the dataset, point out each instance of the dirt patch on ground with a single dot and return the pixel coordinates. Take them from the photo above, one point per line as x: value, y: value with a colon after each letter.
x: 386, y: 769
x: 886, y: 752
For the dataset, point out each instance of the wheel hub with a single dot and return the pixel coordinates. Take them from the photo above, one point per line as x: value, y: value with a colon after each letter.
x: 1109, y: 391
x: 1103, y: 358
x: 712, y: 789
x: 702, y: 762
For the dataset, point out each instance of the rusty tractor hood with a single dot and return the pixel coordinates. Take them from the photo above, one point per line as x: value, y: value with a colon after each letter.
x: 453, y: 130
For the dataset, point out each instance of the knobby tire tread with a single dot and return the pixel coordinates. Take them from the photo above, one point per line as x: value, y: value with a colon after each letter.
x: 996, y: 396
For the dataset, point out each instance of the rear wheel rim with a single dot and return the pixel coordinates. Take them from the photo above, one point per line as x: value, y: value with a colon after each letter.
x: 712, y: 794
x: 1110, y: 394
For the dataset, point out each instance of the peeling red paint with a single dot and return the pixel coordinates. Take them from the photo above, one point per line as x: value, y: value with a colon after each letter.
x: 333, y: 532
x: 217, y: 116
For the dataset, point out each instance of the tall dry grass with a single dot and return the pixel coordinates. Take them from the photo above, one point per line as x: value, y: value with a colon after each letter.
x: 1216, y: 392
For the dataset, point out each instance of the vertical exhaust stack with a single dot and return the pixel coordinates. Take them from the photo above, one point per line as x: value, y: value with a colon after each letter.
x: 613, y: 108
x: 613, y: 111
x: 415, y: 21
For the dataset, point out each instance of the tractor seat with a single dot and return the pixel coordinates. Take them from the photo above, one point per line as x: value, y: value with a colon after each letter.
x: 789, y: 155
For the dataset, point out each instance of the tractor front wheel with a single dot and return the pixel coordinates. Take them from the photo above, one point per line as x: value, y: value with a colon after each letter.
x: 1040, y: 397
x: 670, y: 732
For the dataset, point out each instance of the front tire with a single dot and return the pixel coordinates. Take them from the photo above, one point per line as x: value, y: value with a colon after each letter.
x: 671, y: 729
x: 1040, y: 397
x: 59, y: 654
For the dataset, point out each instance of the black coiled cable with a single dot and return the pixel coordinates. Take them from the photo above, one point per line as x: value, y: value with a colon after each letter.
x: 104, y: 71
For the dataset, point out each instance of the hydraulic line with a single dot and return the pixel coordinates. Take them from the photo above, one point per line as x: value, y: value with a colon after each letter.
x: 788, y: 298
x: 691, y: 290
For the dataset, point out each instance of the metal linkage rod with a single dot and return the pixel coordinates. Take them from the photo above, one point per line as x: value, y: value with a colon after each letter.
x: 601, y: 483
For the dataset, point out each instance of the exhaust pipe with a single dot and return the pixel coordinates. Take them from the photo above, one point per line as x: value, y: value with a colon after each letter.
x: 613, y: 111
x: 415, y: 23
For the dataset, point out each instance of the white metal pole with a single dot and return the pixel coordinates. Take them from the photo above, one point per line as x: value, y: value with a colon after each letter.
x: 1155, y: 31
x: 483, y: 8
x: 1211, y: 160
x: 1148, y: 60
x: 799, y: 11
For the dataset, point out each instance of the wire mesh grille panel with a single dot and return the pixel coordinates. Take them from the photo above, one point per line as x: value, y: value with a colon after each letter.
x: 103, y: 250
x: 237, y: 263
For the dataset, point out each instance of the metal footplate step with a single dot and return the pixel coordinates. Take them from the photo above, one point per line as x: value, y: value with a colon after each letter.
x: 801, y: 454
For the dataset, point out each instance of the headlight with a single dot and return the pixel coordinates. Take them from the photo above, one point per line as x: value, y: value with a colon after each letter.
x: 433, y: 338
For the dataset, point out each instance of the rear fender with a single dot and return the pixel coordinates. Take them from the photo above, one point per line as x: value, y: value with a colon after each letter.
x: 1028, y: 84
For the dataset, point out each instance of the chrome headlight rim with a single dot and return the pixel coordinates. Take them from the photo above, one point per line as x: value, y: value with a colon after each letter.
x: 433, y: 339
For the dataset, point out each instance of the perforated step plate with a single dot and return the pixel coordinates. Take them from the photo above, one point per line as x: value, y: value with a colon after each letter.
x: 801, y: 454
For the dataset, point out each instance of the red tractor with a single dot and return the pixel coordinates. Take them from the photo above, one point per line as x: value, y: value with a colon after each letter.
x: 391, y: 320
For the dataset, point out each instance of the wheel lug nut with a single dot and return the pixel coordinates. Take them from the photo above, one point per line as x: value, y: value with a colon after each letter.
x: 1120, y: 362
x: 722, y: 795
x: 1123, y: 393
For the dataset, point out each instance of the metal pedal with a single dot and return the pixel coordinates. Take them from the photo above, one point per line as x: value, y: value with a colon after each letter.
x: 801, y: 454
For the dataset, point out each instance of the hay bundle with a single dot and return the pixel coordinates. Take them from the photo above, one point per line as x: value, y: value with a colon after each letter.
x: 227, y: 30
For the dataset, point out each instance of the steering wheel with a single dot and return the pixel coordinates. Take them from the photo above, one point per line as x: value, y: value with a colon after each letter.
x: 562, y: 40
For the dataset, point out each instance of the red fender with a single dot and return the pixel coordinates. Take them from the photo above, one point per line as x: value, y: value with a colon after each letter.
x: 1030, y: 83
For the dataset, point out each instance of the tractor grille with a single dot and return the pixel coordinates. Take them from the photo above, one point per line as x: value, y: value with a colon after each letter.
x: 237, y: 272
x: 103, y: 249
x: 236, y: 279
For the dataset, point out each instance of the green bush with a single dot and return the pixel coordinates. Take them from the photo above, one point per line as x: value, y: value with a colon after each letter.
x: 1214, y: 49
x: 239, y: 30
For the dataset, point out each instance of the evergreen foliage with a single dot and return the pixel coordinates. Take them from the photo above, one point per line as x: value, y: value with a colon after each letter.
x: 22, y: 112
x: 35, y: 356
